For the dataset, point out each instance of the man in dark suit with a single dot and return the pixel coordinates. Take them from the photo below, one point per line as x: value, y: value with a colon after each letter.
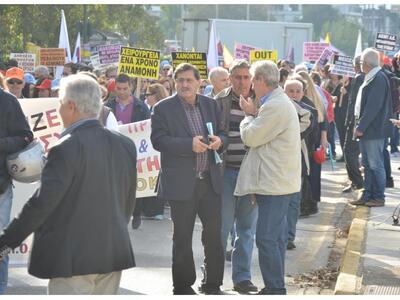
x: 128, y: 109
x: 80, y: 213
x: 190, y: 178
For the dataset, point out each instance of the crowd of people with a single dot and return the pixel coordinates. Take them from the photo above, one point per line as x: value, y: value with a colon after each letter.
x: 272, y: 126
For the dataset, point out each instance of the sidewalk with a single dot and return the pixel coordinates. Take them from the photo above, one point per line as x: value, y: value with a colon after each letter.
x: 371, y: 264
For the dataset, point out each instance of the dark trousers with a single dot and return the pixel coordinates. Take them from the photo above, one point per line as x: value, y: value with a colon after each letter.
x: 351, y: 154
x: 386, y: 160
x: 394, y: 139
x: 137, y: 212
x: 315, y: 180
x: 331, y: 137
x: 153, y: 206
x: 339, y: 122
x: 207, y: 205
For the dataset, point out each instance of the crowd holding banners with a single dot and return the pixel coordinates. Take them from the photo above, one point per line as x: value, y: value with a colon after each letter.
x: 26, y: 61
x: 137, y: 62
x: 313, y: 50
x: 324, y: 58
x: 198, y: 59
x: 52, y: 57
x: 343, y: 65
x: 385, y: 41
x: 256, y: 55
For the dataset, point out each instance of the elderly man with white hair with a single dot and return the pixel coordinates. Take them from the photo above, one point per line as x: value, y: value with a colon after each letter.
x: 81, y: 211
x: 372, y: 111
x: 219, y: 79
x: 271, y: 169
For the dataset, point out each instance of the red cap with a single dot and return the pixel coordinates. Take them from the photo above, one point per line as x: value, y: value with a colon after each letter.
x: 16, y: 73
x: 45, y: 85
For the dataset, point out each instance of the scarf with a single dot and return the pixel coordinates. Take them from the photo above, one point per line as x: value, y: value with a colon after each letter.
x: 368, y: 78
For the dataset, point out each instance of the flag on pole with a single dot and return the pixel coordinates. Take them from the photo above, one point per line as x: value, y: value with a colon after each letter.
x: 77, y: 52
x: 228, y: 58
x: 327, y: 38
x: 212, y: 54
x: 63, y: 42
x: 290, y: 54
x: 358, y: 45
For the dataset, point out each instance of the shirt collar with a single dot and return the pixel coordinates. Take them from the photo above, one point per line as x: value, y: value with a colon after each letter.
x: 264, y: 99
x: 75, y: 125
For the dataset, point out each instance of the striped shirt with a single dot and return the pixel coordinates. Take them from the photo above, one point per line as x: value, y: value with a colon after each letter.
x: 196, y: 125
x: 236, y: 149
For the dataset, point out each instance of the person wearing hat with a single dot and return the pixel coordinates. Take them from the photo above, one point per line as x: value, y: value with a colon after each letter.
x: 15, y: 81
x: 44, y: 89
x: 29, y: 86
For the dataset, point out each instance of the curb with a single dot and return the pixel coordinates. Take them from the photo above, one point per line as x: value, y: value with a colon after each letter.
x: 349, y: 278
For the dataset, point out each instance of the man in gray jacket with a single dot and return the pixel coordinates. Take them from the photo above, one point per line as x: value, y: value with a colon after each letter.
x: 81, y: 211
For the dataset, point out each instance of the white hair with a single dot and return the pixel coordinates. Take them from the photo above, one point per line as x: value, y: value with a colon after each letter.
x: 216, y: 72
x: 43, y: 70
x: 371, y: 57
x: 84, y: 91
x: 301, y: 67
x: 266, y: 70
x: 293, y: 82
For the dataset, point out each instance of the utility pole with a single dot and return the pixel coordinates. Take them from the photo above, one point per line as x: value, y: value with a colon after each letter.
x: 84, y: 29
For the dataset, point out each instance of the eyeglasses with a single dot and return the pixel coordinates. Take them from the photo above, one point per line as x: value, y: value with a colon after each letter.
x: 147, y: 95
x: 166, y: 69
x: 182, y: 80
x: 14, y: 81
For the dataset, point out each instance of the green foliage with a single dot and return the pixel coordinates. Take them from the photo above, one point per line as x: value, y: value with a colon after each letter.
x: 40, y: 24
x: 318, y: 15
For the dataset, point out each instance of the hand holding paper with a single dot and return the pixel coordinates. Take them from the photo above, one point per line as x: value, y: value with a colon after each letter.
x: 216, y: 142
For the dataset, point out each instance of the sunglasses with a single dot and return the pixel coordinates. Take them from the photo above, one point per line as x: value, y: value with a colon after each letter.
x: 14, y: 81
x: 166, y: 69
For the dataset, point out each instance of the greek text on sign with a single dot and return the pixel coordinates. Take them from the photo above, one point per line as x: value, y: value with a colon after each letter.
x: 313, y: 50
x: 343, y: 65
x: 325, y: 57
x: 109, y: 54
x: 52, y: 57
x: 26, y: 61
x: 385, y: 41
x: 256, y: 55
x: 242, y: 51
x: 136, y: 62
x: 198, y: 59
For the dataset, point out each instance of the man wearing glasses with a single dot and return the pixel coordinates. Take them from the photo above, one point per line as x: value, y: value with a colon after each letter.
x: 15, y: 81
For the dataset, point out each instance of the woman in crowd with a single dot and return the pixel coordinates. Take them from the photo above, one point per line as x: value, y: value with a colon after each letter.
x: 44, y: 89
x: 167, y: 83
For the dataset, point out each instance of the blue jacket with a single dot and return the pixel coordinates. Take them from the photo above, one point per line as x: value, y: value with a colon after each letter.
x: 376, y: 109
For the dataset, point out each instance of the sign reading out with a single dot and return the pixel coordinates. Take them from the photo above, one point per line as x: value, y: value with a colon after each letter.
x: 52, y: 57
x: 198, y: 59
x: 256, y: 55
x: 136, y: 62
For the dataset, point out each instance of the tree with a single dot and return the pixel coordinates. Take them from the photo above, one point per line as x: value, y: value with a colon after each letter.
x: 318, y: 15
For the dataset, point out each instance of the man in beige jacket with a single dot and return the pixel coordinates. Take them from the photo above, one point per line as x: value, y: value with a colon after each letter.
x: 271, y: 169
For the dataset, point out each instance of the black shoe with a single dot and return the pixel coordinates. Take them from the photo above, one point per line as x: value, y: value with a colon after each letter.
x: 390, y: 183
x: 228, y: 255
x: 210, y: 289
x: 290, y: 245
x: 245, y: 287
x: 136, y: 221
x: 184, y: 291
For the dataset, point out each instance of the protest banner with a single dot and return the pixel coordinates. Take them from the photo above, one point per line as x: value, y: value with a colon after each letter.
x: 34, y: 49
x: 256, y: 55
x: 242, y: 51
x: 325, y: 56
x: 313, y: 50
x: 385, y: 41
x: 198, y: 59
x: 109, y: 54
x: 26, y: 61
x: 136, y: 62
x: 343, y: 65
x: 52, y: 57
x: 95, y: 61
x: 45, y: 122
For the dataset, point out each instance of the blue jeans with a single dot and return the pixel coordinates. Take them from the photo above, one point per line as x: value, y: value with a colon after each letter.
x: 292, y: 217
x: 271, y: 239
x: 374, y: 169
x: 5, y: 211
x: 394, y: 139
x: 244, y: 214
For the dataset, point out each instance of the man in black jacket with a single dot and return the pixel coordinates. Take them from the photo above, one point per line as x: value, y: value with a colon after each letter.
x: 81, y: 211
x: 190, y: 177
x: 15, y: 134
x: 128, y: 109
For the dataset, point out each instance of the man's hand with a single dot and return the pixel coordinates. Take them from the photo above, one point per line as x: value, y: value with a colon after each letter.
x: 216, y: 142
x: 198, y: 146
x: 358, y: 133
x: 247, y: 105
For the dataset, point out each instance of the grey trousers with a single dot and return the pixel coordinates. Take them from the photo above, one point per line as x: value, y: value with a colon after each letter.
x: 92, y: 284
